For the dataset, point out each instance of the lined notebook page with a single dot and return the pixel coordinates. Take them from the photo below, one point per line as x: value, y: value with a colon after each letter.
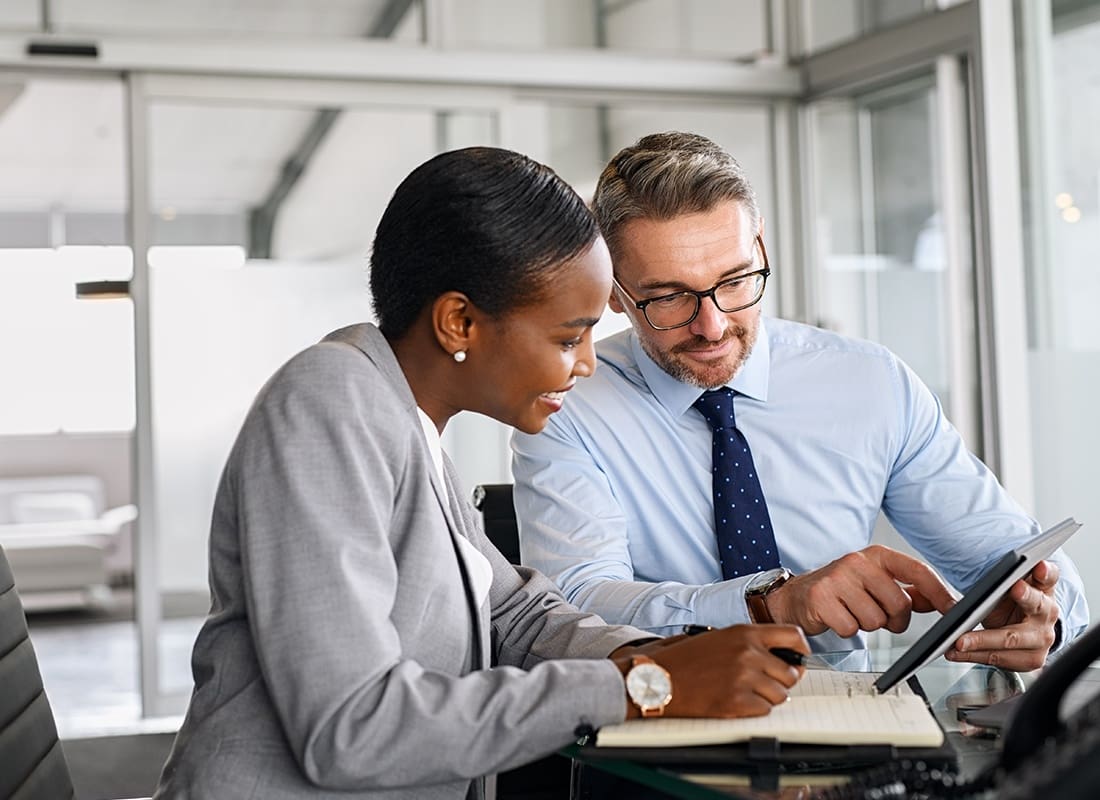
x: 825, y: 708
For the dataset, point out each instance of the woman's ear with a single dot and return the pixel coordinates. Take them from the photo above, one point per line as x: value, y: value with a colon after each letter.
x: 452, y: 321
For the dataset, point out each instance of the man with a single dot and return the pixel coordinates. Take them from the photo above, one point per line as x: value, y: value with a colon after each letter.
x: 629, y: 498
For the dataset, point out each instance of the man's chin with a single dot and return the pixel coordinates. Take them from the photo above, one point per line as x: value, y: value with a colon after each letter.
x: 707, y: 375
x: 698, y: 372
x: 702, y: 372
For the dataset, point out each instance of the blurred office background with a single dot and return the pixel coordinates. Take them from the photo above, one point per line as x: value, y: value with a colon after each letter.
x: 210, y: 172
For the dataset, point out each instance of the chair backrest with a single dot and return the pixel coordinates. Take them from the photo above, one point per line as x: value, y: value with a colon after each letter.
x: 32, y: 765
x: 498, y: 515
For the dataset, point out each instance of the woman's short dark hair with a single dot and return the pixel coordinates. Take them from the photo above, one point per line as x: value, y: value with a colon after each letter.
x: 483, y: 221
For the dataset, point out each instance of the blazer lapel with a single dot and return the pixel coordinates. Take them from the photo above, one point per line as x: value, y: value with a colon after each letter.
x: 370, y: 341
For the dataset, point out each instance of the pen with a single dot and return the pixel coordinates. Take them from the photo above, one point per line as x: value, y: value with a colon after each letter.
x: 792, y: 657
x: 797, y: 659
x: 692, y: 630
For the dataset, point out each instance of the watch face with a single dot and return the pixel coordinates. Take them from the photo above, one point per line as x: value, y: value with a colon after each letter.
x: 765, y: 579
x: 649, y: 686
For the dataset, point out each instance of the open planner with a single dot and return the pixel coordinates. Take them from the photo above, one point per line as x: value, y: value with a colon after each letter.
x: 825, y: 707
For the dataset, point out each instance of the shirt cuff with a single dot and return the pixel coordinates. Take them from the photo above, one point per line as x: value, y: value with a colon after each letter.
x: 723, y: 603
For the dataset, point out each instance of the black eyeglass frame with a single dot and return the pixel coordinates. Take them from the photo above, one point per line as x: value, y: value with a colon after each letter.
x: 699, y: 296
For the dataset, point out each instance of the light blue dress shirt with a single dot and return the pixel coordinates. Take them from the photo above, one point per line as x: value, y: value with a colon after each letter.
x: 614, y: 497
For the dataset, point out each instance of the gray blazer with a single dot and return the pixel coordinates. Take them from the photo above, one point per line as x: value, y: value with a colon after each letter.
x: 344, y: 655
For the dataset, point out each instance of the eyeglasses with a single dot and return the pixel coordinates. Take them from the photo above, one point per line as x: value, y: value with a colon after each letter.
x: 681, y: 308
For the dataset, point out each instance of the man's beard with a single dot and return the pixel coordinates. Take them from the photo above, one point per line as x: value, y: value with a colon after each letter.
x: 695, y: 374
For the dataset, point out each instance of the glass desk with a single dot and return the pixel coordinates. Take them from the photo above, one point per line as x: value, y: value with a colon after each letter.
x: 949, y: 687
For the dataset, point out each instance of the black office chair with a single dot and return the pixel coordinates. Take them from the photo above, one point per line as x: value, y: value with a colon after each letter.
x: 498, y: 515
x: 33, y: 765
x: 547, y: 778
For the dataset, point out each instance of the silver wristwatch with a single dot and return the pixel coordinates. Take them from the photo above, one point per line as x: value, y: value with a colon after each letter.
x: 757, y: 589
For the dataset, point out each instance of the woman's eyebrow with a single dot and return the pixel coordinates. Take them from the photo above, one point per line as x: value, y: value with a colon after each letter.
x: 580, y: 322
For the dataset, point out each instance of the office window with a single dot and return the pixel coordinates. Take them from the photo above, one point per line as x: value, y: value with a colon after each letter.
x: 882, y: 268
x: 66, y: 365
x: 1062, y: 193
x: 827, y: 24
x: 249, y: 266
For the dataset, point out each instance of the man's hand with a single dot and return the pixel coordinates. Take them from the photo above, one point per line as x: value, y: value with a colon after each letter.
x: 1019, y: 631
x: 873, y: 588
x: 726, y: 672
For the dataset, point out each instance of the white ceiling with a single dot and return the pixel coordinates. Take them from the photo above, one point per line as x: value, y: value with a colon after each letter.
x: 291, y: 17
x: 62, y: 140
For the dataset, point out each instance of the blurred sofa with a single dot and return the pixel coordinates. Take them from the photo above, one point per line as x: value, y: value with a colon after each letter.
x: 57, y: 535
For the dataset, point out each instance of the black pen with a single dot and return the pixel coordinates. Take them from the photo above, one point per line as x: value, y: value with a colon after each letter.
x: 797, y: 659
x: 692, y: 630
x: 792, y: 657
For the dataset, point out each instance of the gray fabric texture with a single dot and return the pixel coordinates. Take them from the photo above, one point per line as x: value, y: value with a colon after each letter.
x: 32, y: 764
x: 343, y: 656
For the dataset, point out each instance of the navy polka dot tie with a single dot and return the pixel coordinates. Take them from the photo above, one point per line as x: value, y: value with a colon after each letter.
x: 746, y: 543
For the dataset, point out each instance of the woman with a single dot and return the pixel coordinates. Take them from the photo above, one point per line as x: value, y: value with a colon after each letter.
x: 365, y: 639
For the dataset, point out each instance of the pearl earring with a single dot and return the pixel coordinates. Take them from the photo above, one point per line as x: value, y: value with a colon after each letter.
x: 460, y: 356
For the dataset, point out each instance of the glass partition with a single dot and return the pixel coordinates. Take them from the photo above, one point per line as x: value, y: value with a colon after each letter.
x: 883, y: 270
x: 1062, y: 57
x: 260, y: 218
x: 827, y: 24
x: 67, y: 370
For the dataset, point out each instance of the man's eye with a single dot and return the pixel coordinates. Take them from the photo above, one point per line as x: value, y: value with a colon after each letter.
x: 669, y: 300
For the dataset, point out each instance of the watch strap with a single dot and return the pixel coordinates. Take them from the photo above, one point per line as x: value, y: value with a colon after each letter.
x: 758, y: 608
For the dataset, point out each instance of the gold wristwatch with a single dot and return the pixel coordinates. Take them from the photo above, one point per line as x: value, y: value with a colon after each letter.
x: 649, y: 686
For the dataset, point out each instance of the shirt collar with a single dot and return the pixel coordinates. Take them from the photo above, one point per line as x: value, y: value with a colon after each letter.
x: 676, y: 396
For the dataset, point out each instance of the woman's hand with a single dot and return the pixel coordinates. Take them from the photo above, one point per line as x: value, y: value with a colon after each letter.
x: 727, y: 672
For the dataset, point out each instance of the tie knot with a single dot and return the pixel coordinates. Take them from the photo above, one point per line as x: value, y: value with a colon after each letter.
x: 716, y: 405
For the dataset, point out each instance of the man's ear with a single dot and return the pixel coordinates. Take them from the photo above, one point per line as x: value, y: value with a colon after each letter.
x: 452, y: 321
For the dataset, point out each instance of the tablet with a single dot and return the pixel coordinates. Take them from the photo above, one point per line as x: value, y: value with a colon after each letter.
x: 973, y: 607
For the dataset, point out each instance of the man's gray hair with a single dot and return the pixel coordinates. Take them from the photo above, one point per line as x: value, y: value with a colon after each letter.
x: 664, y: 175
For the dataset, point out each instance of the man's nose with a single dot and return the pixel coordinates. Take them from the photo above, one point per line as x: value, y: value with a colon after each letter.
x: 711, y: 322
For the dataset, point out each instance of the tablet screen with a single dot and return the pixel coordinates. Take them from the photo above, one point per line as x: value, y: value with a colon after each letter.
x: 976, y: 603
